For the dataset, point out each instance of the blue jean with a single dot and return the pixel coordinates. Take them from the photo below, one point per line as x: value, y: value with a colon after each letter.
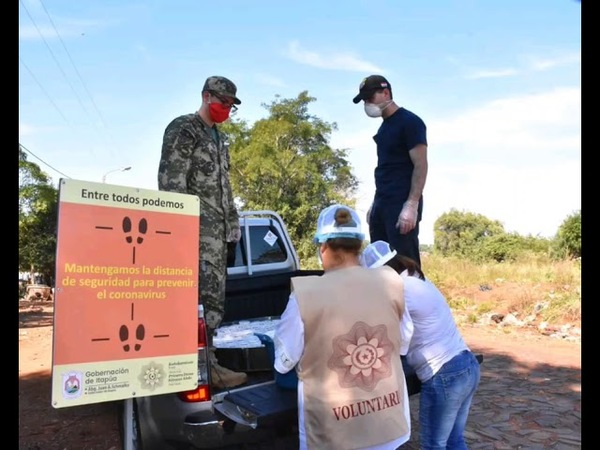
x: 445, y: 401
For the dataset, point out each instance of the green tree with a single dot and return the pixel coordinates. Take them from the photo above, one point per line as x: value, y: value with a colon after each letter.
x: 284, y: 163
x: 567, y: 242
x: 38, y: 210
x: 459, y: 233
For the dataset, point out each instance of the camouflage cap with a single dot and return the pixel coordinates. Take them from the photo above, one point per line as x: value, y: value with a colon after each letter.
x: 221, y: 86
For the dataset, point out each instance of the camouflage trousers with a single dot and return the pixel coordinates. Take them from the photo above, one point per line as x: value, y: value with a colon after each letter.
x: 213, y: 272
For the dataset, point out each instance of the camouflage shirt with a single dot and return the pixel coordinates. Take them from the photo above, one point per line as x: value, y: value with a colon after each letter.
x: 193, y: 163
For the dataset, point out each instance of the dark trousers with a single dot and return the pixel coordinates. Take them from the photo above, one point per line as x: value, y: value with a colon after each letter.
x: 382, y: 227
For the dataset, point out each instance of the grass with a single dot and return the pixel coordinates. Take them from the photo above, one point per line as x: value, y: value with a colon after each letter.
x: 532, y: 285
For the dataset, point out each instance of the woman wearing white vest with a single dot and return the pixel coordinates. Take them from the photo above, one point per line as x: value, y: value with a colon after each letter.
x: 341, y: 332
x: 447, y: 369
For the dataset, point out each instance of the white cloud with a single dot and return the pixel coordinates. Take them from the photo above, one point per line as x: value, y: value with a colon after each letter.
x: 336, y: 61
x: 143, y: 51
x: 30, y: 32
x: 523, y: 164
x: 533, y: 63
x: 516, y: 160
x: 498, y: 73
x: 48, y: 32
x: 515, y: 127
x: 38, y: 23
x: 525, y: 200
x: 549, y: 63
x: 269, y: 80
x: 25, y: 130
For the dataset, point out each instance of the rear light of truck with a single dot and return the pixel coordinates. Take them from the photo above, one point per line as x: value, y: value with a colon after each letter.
x: 202, y: 338
x: 202, y: 392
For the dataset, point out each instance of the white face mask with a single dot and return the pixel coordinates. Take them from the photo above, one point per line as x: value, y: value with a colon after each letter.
x: 319, y: 257
x: 374, y: 109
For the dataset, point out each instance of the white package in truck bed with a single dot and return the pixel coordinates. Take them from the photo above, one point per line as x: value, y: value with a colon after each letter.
x: 242, y: 334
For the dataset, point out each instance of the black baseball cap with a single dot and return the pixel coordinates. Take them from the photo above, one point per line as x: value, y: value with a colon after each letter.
x: 371, y: 84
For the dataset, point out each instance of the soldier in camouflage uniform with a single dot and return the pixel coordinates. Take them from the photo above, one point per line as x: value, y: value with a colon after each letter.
x: 195, y: 160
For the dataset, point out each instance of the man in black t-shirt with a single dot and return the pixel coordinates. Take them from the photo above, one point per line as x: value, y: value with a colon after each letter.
x: 401, y: 170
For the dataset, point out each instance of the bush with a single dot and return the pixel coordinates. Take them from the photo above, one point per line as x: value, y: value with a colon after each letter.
x: 510, y: 247
x: 459, y: 233
x: 567, y: 243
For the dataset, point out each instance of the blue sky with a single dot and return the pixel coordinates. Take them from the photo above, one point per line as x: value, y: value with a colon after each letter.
x: 498, y: 84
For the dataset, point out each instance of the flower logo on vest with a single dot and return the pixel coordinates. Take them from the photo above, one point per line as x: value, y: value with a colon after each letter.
x: 362, y: 357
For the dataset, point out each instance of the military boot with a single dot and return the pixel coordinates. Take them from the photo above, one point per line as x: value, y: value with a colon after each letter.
x: 222, y: 377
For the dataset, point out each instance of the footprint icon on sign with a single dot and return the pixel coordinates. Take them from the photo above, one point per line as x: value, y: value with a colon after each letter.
x: 140, y: 333
x: 132, y: 236
x: 132, y: 342
x: 128, y: 228
x: 142, y: 229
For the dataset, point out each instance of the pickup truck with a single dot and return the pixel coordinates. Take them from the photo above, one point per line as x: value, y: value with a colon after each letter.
x: 259, y: 269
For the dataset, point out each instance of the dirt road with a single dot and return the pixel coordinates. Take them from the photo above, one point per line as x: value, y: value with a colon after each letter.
x: 529, y: 396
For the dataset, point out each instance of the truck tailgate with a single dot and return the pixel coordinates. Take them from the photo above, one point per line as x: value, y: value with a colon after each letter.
x: 266, y: 405
x: 269, y: 405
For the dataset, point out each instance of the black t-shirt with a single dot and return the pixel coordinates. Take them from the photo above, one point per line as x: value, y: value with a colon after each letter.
x: 396, y: 136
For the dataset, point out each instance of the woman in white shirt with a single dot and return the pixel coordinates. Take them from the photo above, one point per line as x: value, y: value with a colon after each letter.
x: 448, y: 370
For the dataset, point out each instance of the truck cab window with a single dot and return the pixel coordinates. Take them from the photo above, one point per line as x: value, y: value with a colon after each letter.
x: 266, y: 247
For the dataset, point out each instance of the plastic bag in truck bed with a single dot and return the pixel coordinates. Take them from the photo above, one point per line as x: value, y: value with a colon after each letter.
x: 238, y: 348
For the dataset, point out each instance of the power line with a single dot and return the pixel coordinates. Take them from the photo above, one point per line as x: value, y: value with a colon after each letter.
x: 55, y: 60
x: 95, y: 106
x: 44, y: 90
x: 42, y: 161
x: 72, y: 62
x: 47, y: 95
x: 74, y: 66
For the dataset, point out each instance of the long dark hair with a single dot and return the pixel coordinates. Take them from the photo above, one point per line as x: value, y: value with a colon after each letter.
x: 400, y: 263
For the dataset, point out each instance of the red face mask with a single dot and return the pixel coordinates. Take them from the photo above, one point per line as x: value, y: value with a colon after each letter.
x: 218, y: 112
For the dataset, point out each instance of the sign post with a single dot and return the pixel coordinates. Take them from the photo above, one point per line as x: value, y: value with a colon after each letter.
x: 128, y: 425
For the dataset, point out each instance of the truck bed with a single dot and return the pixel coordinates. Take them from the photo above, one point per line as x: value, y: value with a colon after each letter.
x: 256, y: 297
x: 259, y: 295
x: 263, y: 403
